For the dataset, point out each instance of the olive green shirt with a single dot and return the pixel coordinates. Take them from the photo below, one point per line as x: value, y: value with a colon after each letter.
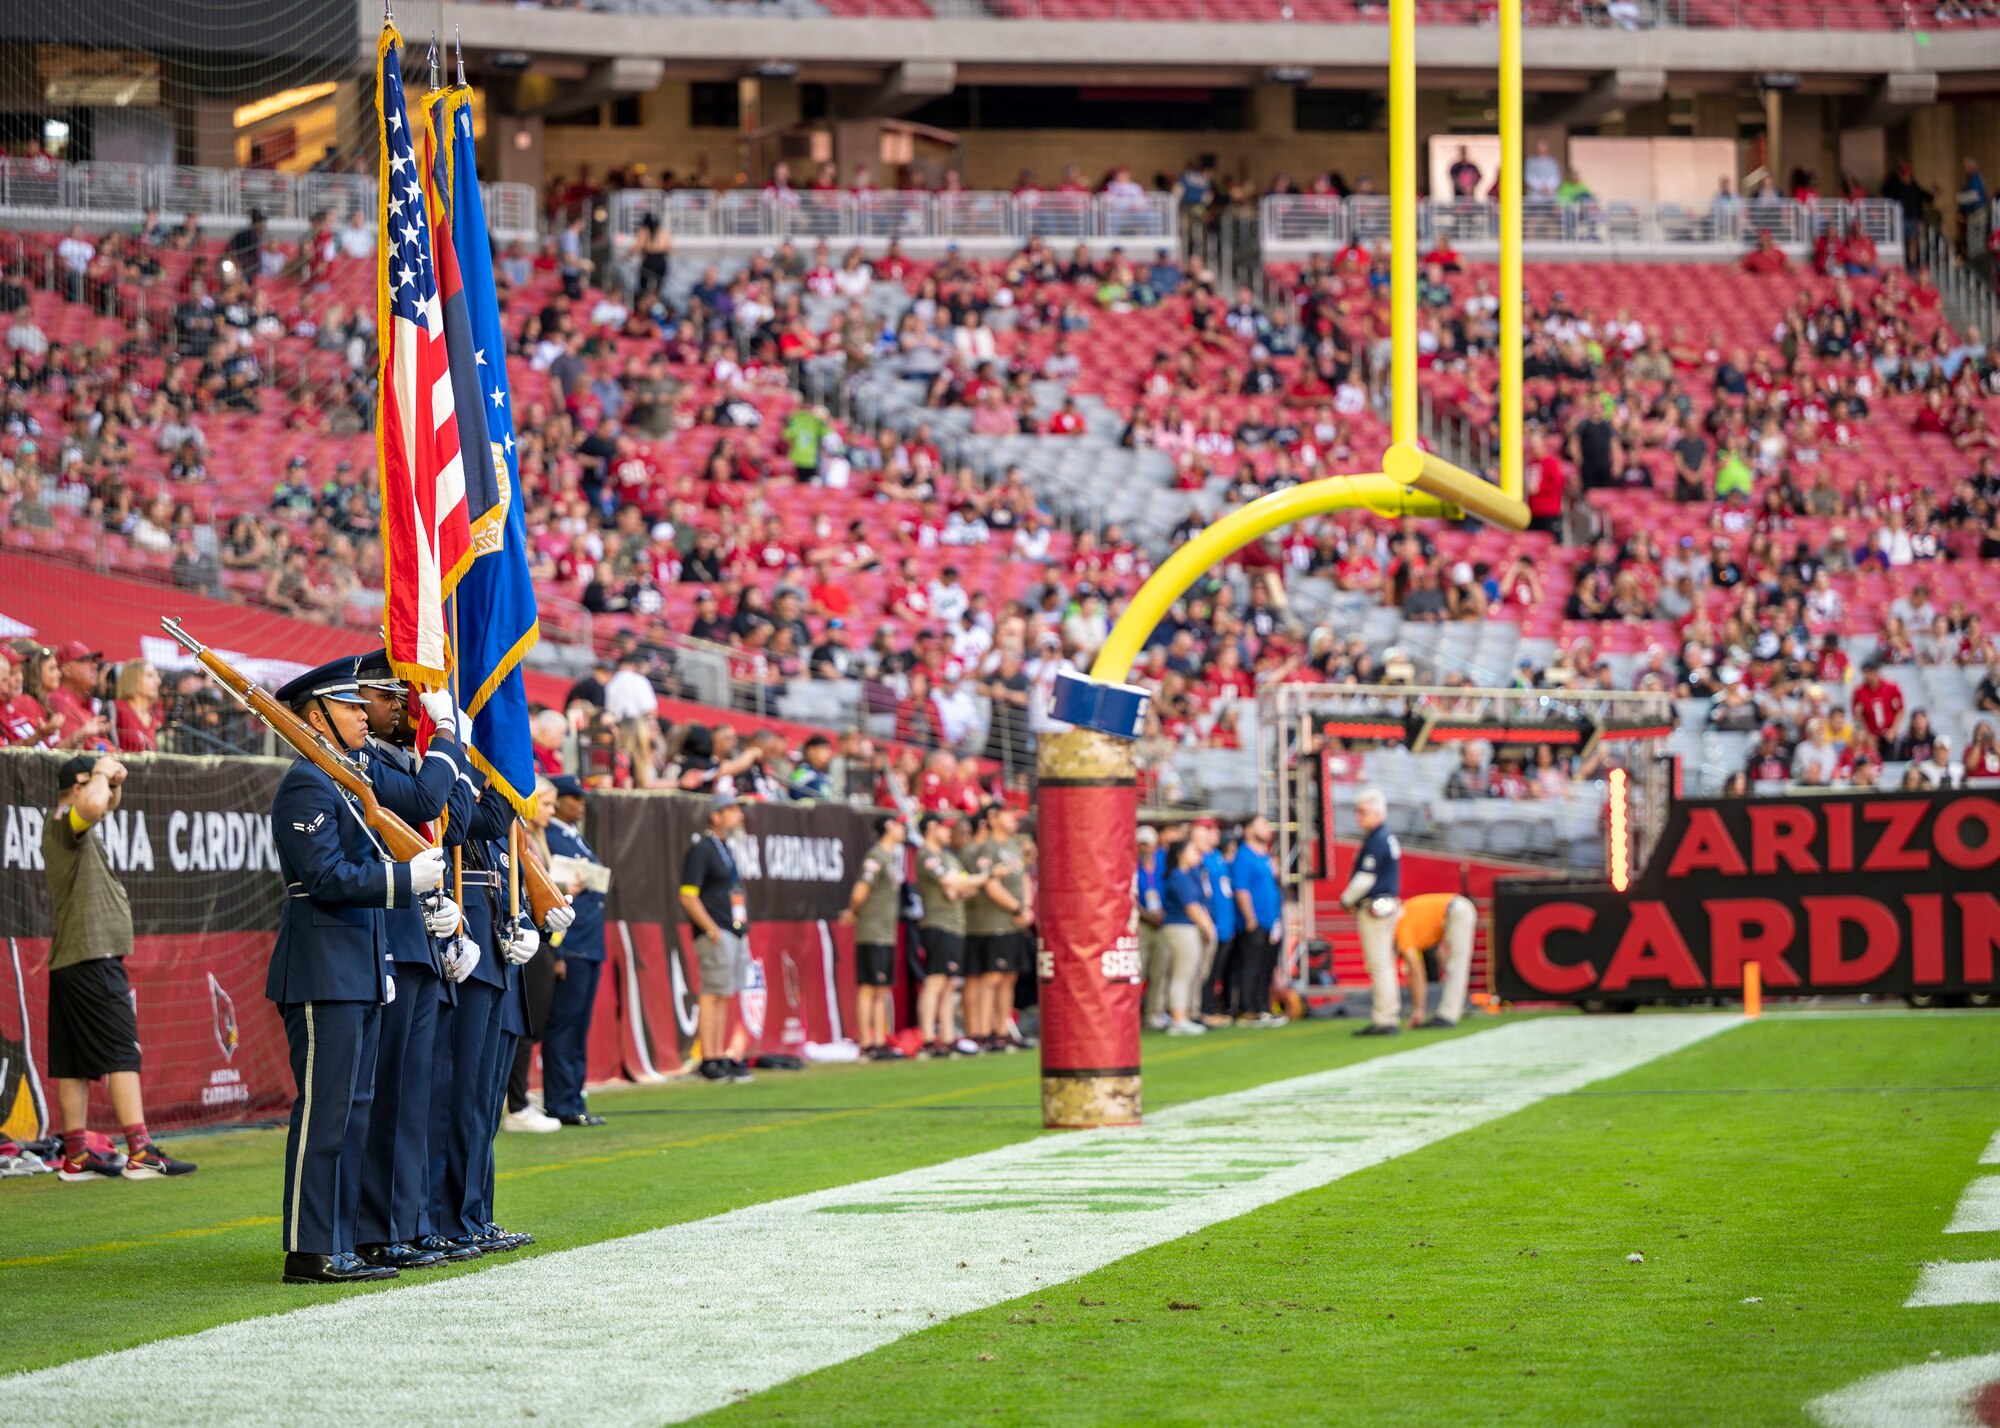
x: 985, y: 917
x: 93, y: 917
x: 882, y: 871
x: 936, y: 867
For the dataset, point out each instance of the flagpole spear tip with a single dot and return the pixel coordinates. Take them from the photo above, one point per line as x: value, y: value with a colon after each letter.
x: 458, y: 44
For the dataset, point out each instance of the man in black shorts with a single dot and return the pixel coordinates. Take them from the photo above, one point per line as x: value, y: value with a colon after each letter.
x: 712, y: 898
x: 945, y: 888
x: 999, y: 944
x: 872, y: 912
x: 93, y: 1023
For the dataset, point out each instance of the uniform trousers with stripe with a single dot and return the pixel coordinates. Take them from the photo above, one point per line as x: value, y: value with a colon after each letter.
x: 395, y: 1186
x: 461, y: 1132
x: 566, y: 1043
x: 333, y: 1068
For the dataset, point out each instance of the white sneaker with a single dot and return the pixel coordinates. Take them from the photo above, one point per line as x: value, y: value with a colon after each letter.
x: 1159, y: 1021
x: 1186, y: 1028
x: 529, y: 1119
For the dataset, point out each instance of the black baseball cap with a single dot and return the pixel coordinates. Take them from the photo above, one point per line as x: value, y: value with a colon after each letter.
x: 75, y: 767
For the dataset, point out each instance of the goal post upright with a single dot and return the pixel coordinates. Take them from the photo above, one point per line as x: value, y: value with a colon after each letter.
x: 1087, y: 961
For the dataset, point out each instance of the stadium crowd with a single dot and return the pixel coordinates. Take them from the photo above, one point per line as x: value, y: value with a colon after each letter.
x: 685, y: 500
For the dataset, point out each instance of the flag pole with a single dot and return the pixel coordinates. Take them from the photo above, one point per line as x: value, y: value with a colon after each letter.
x: 458, y: 853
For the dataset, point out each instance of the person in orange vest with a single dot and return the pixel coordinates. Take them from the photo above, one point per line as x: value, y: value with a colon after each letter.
x: 1443, y: 922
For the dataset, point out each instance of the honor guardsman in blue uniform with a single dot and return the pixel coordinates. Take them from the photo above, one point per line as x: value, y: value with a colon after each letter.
x: 475, y: 1041
x: 331, y: 975
x: 395, y: 1177
x: 565, y: 1041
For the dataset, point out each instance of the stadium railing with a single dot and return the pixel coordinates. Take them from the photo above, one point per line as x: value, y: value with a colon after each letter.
x: 748, y: 218
x: 1296, y: 225
x: 44, y: 193
x: 1772, y: 15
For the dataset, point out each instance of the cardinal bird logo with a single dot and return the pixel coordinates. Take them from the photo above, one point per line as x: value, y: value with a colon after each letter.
x: 225, y: 1019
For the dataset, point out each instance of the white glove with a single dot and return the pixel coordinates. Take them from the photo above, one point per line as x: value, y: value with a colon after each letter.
x: 388, y: 989
x: 520, y: 945
x: 427, y: 871
x: 461, y: 955
x: 442, y: 916
x: 560, y: 918
x: 444, y: 713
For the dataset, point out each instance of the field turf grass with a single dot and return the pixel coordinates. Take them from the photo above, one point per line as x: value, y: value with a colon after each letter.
x: 1806, y: 1163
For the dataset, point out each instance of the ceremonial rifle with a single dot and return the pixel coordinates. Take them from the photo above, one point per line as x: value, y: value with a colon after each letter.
x: 400, y: 840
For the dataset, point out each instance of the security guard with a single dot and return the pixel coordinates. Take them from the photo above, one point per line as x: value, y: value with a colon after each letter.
x: 579, y: 959
x: 1374, y: 895
x: 330, y: 975
x: 395, y: 1181
x: 1430, y: 922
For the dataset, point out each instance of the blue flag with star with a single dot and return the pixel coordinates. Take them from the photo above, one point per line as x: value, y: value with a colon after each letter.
x: 497, y: 623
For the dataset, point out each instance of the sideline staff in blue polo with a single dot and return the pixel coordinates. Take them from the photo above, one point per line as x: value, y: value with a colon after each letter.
x: 579, y: 959
x: 330, y: 975
x: 395, y: 1179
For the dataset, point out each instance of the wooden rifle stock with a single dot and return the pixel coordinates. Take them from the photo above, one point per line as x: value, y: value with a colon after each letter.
x: 544, y: 897
x: 402, y: 841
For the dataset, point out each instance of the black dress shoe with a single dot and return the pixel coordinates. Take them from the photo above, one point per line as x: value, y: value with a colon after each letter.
x: 516, y: 1239
x: 332, y: 1269
x: 586, y: 1119
x: 1373, y: 1030
x: 451, y: 1251
x: 400, y: 1256
x: 1438, y: 1023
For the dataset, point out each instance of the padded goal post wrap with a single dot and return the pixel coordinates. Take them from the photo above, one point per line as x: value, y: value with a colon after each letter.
x: 1088, y: 961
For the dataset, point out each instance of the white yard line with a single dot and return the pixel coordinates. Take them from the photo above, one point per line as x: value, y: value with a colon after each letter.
x: 1956, y: 1283
x: 1992, y: 1153
x: 664, y: 1325
x: 1927, y: 1395
x: 1978, y: 1208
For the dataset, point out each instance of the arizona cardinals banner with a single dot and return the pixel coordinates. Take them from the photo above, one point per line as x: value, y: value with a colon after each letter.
x: 1839, y: 894
x: 191, y: 842
x: 426, y: 536
x: 798, y: 865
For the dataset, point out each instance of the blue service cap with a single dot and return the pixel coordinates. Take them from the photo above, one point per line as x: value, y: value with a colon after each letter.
x: 567, y: 786
x: 335, y: 680
x: 373, y: 668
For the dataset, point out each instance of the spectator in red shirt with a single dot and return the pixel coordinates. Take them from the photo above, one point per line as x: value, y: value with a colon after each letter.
x: 1068, y: 421
x: 1544, y: 480
x: 917, y: 717
x: 136, y: 715
x: 74, y: 700
x: 1767, y: 259
x: 22, y: 719
x: 1878, y: 704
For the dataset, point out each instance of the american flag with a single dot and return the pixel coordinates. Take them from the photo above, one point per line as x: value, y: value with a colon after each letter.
x: 426, y: 534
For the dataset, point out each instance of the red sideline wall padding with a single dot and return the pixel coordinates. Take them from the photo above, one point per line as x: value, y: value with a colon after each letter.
x: 192, y: 847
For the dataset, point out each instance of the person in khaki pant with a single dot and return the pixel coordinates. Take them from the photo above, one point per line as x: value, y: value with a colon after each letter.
x: 1148, y: 915
x: 1374, y: 896
x: 1445, y: 922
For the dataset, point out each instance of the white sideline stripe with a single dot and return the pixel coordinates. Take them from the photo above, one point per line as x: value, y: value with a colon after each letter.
x: 1992, y: 1155
x: 674, y: 1322
x: 1927, y: 1395
x: 1975, y: 1283
x: 1978, y: 1208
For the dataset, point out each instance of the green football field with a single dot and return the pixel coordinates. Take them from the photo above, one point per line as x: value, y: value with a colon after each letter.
x: 1783, y: 1182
